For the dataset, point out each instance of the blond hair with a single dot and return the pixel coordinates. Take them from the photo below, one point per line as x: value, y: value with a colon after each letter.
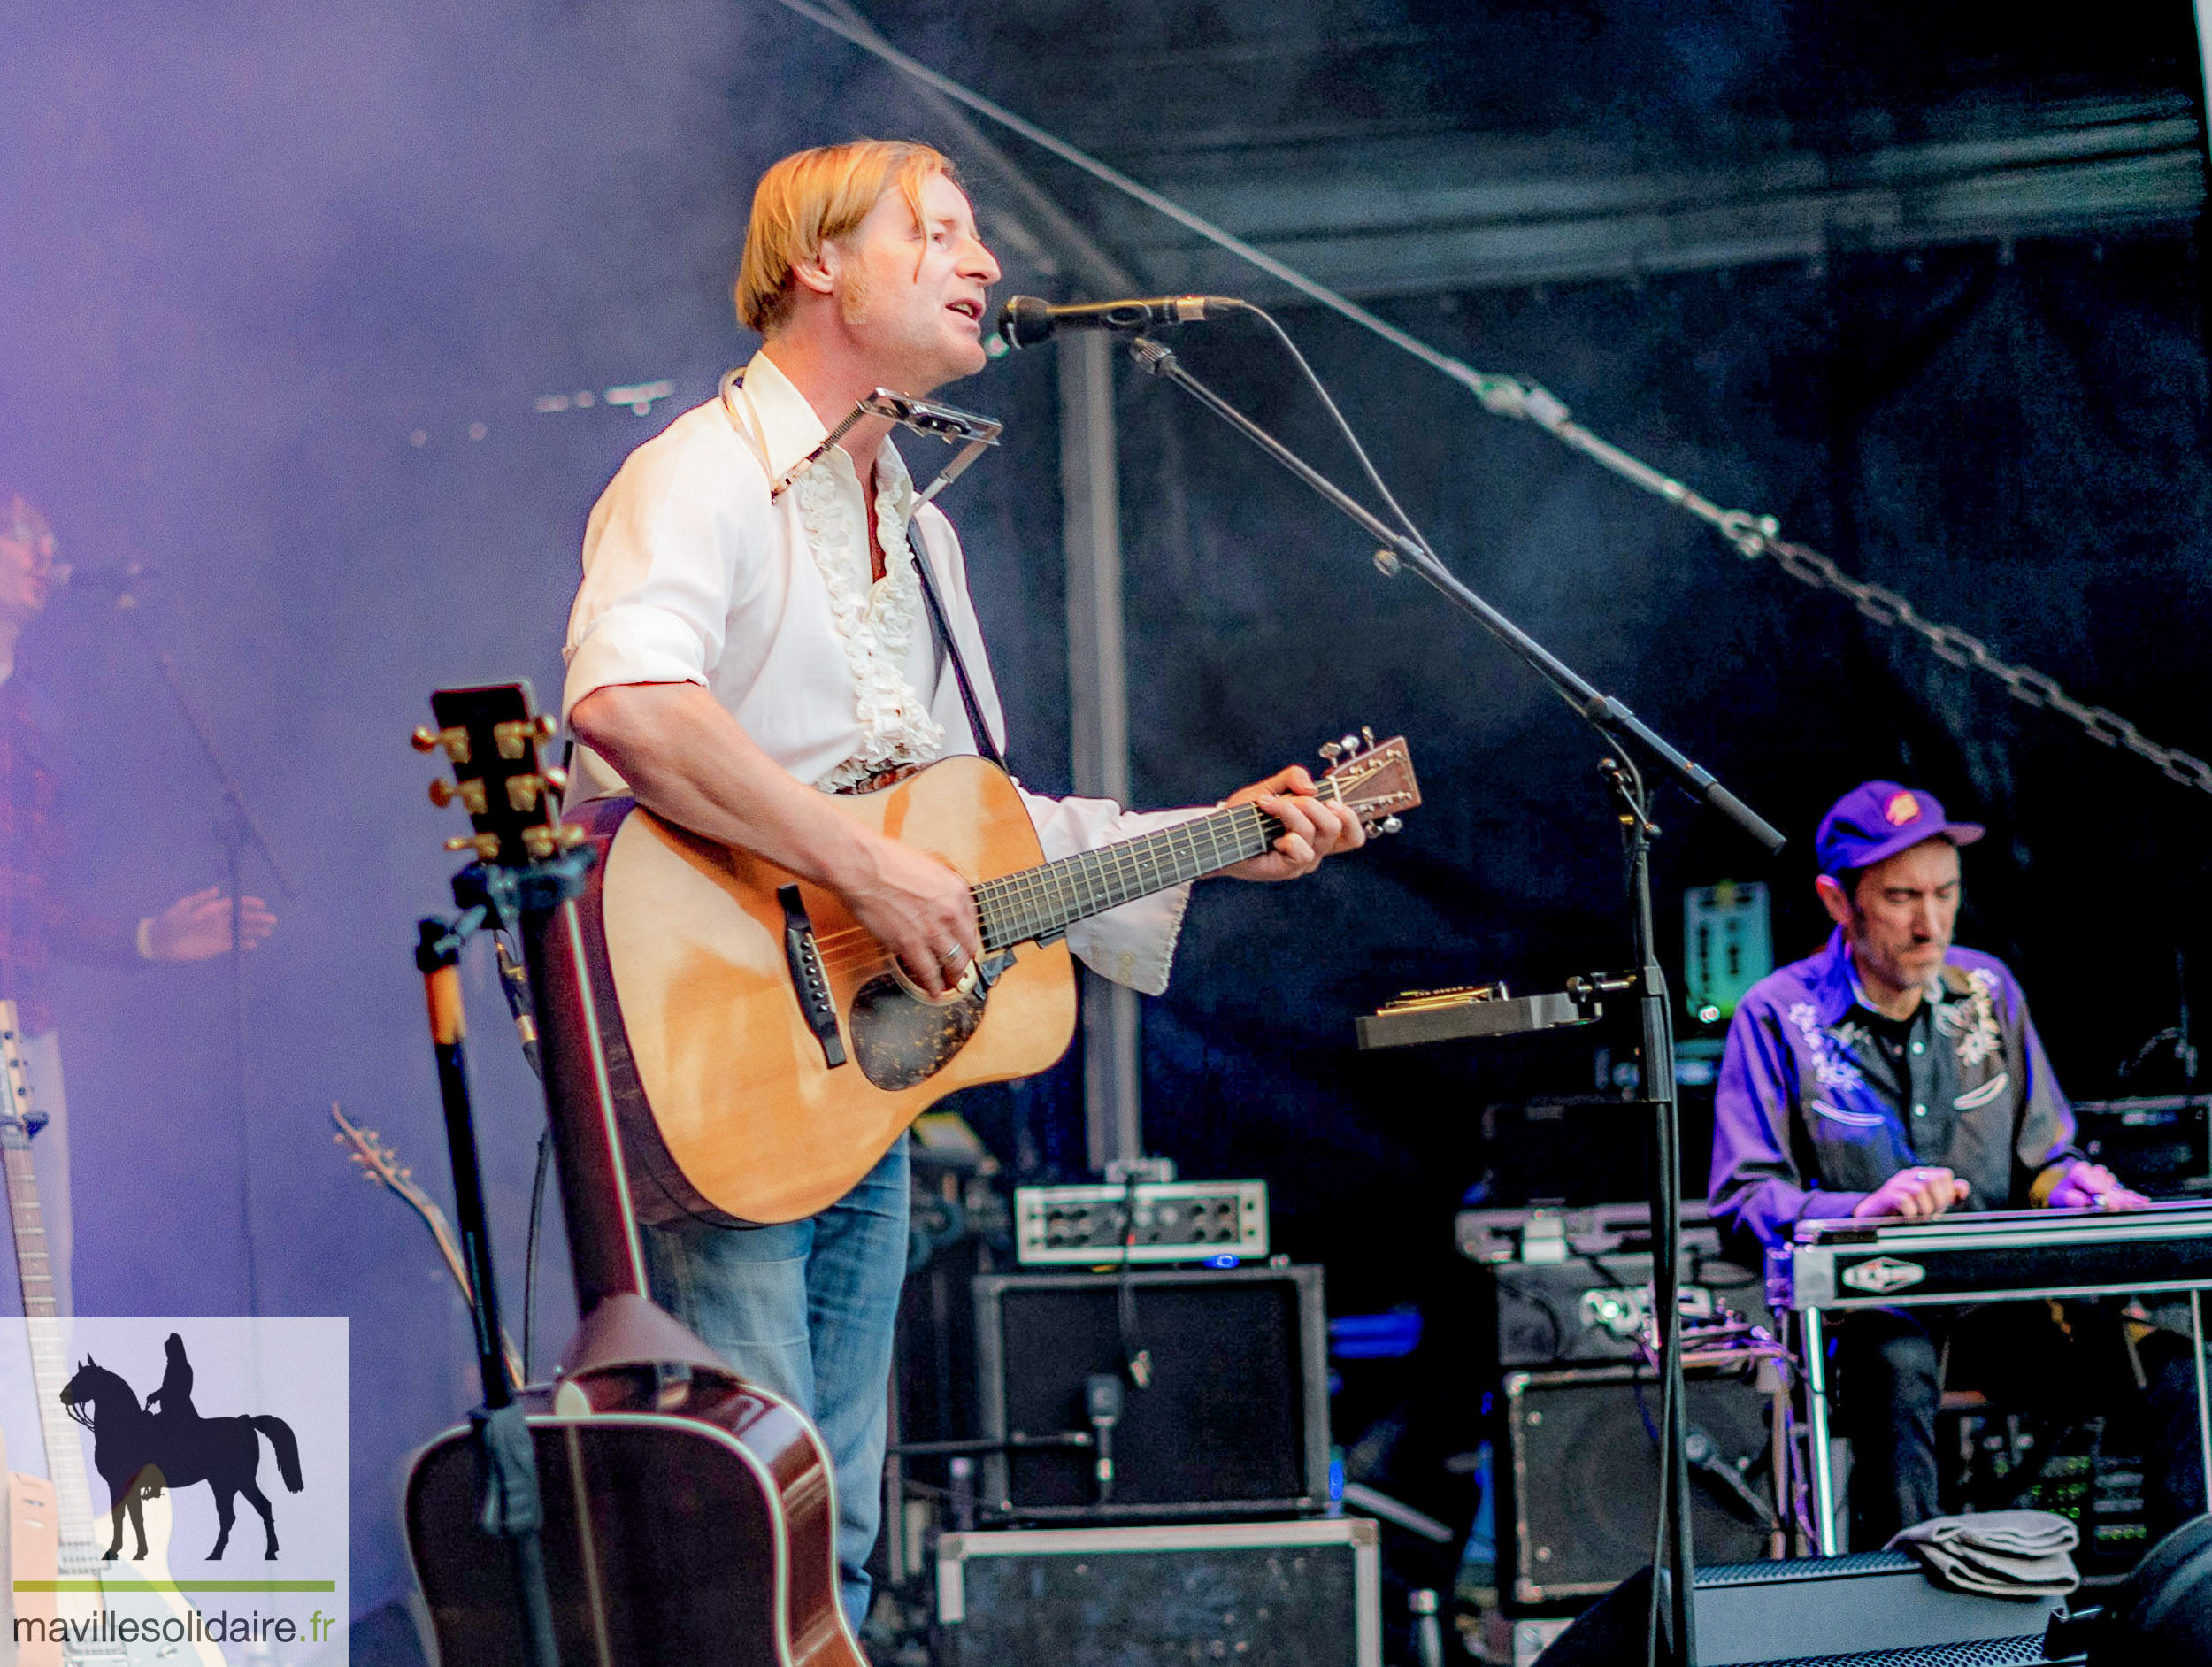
x: 807, y: 199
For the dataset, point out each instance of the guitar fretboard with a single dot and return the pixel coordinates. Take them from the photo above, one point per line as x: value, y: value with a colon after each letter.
x: 1048, y: 899
x: 49, y: 1356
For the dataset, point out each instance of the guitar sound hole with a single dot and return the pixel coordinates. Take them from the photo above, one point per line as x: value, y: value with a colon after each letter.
x: 899, y: 1041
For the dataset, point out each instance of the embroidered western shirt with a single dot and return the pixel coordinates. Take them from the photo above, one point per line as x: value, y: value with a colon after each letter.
x: 1821, y: 1100
x: 692, y: 574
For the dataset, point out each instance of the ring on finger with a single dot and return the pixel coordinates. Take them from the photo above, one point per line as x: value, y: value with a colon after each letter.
x: 952, y: 954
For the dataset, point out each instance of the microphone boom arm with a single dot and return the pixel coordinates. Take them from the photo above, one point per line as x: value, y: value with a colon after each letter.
x: 1604, y: 712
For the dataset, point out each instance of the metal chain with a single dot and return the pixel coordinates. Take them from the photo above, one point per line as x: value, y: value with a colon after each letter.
x: 1756, y: 536
x: 1527, y: 401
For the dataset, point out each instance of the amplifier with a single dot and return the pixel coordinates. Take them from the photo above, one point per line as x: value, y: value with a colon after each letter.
x: 1585, y: 1477
x: 2159, y: 1143
x: 1591, y: 1309
x: 1235, y: 1422
x: 1554, y: 1234
x: 1289, y: 1594
x: 1149, y: 1222
x: 1874, y: 1609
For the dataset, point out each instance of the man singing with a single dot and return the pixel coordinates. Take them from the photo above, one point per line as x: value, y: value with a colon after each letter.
x: 733, y: 657
x: 1896, y: 1074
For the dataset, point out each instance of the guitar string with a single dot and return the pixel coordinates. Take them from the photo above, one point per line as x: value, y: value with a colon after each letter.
x: 1035, y: 895
x: 1052, y: 894
x: 1024, y: 904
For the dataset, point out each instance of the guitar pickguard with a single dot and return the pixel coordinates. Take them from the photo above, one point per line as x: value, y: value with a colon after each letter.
x: 901, y: 1042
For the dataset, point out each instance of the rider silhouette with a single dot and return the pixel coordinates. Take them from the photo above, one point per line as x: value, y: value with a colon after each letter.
x: 175, y: 1394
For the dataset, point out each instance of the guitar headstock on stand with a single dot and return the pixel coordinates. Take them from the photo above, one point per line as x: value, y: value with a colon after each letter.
x: 528, y: 870
x: 490, y: 735
x: 526, y: 860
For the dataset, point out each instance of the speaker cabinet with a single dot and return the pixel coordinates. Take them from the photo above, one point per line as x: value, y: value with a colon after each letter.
x: 1584, y: 1476
x: 1235, y: 1422
x: 1279, y: 1593
x: 1874, y: 1609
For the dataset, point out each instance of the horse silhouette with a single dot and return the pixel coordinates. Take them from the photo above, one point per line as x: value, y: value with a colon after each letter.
x: 138, y: 1452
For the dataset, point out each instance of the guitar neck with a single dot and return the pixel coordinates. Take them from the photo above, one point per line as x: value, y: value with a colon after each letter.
x: 49, y: 1356
x: 1047, y: 900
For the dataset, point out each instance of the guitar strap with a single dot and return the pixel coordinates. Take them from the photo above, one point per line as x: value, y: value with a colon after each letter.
x: 941, y: 628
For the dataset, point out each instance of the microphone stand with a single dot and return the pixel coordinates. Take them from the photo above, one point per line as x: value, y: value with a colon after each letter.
x: 239, y: 831
x: 1675, y: 1565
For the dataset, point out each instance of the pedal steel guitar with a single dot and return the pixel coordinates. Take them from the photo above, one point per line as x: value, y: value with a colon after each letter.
x: 1984, y: 1257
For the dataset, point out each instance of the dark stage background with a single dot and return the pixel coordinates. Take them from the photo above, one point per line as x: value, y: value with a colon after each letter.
x: 262, y: 269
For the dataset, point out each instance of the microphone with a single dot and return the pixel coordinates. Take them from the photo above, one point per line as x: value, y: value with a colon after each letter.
x: 1024, y: 320
x: 107, y: 578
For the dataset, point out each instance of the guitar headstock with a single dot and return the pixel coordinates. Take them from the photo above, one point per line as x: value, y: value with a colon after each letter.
x: 379, y: 1162
x: 490, y: 735
x: 19, y: 1121
x: 1374, y: 778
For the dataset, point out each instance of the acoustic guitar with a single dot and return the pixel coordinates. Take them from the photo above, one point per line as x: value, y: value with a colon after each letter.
x: 112, y: 1613
x: 688, y: 1516
x: 763, y: 1051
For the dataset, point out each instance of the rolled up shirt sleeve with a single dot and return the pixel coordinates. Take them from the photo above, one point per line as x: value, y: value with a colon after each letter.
x: 1757, y: 1192
x: 667, y: 547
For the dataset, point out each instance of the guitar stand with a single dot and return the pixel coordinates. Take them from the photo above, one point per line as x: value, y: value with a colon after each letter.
x: 510, y: 1506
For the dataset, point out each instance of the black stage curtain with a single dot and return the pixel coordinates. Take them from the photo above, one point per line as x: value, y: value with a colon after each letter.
x: 2013, y: 437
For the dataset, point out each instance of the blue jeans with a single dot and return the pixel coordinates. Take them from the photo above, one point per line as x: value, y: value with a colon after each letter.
x: 807, y: 1309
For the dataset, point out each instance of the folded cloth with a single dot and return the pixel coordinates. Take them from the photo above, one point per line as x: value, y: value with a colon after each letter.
x: 2016, y: 1554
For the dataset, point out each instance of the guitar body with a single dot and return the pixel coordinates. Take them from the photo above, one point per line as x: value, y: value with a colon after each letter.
x: 701, y: 1532
x: 53, y: 1530
x: 729, y: 1109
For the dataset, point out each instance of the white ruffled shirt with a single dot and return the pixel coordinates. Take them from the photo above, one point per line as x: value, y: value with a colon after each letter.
x: 692, y: 575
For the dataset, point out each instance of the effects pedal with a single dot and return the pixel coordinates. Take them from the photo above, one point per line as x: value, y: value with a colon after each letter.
x: 1150, y: 1222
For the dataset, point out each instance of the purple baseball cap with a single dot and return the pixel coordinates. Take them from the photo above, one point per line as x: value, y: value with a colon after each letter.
x: 1877, y: 819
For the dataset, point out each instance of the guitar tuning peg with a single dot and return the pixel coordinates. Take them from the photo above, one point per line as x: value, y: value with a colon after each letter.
x: 555, y: 778
x: 517, y: 734
x: 1370, y: 735
x: 1350, y: 743
x: 1332, y: 751
x: 455, y: 741
x: 1389, y: 825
